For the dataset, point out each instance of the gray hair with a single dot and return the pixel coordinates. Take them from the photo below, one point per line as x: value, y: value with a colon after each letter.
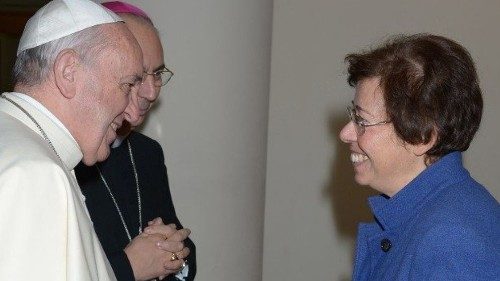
x: 34, y: 65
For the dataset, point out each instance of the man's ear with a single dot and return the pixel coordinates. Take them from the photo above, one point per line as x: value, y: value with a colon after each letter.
x: 65, y: 68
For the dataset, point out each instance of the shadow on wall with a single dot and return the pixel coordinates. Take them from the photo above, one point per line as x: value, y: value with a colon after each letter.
x: 348, y: 200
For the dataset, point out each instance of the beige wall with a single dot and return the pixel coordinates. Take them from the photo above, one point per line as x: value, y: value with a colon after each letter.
x: 212, y: 124
x: 311, y: 202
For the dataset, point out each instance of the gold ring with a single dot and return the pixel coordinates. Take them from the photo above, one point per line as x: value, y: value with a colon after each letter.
x: 174, y: 257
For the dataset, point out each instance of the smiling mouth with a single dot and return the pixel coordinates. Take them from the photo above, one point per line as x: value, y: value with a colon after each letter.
x: 358, y: 158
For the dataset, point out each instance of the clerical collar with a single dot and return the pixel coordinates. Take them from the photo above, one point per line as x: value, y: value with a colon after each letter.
x: 118, y: 141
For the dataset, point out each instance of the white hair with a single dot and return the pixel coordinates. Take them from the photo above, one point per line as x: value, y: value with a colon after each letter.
x: 34, y: 65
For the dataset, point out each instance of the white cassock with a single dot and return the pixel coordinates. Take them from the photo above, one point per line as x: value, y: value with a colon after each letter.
x: 45, y: 230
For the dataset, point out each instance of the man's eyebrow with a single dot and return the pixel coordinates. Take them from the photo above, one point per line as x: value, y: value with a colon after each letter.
x: 159, y: 68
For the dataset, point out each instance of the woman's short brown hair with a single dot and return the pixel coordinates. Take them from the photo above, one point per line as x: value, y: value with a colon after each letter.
x: 429, y: 84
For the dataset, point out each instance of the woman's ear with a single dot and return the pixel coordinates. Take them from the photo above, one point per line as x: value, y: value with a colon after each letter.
x: 65, y: 68
x: 421, y: 149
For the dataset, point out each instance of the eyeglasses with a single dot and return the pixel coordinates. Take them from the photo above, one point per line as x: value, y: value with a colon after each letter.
x: 160, y: 77
x: 359, y: 123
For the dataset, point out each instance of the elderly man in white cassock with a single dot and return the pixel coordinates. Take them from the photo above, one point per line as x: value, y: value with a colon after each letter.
x: 76, y: 66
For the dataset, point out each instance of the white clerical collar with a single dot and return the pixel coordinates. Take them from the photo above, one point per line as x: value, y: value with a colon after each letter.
x: 118, y: 141
x: 43, y: 109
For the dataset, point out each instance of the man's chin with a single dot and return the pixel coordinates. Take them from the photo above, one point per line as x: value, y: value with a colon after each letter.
x: 104, y: 150
x: 103, y: 155
x: 89, y: 161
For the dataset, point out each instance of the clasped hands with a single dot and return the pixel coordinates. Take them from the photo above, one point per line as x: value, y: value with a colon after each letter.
x: 158, y: 251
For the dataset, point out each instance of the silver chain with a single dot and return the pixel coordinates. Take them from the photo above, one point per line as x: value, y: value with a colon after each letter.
x: 139, y: 204
x: 44, y: 135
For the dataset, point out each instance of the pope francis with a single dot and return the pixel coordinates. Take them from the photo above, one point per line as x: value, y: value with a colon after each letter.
x: 76, y: 66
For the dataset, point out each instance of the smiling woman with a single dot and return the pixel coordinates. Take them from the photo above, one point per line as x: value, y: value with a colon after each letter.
x: 416, y: 107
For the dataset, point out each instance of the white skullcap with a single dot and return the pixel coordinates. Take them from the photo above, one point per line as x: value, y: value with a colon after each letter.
x: 61, y: 18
